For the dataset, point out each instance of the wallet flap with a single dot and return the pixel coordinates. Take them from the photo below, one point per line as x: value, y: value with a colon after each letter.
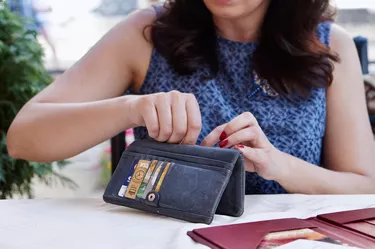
x: 248, y: 235
x: 216, y: 154
x: 349, y: 216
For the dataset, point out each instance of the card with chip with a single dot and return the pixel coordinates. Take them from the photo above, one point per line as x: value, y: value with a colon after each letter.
x: 160, y: 182
x: 143, y: 186
x: 137, y: 178
x: 124, y: 186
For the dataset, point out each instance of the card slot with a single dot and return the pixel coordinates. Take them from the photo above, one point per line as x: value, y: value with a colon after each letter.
x: 362, y: 227
x: 194, y: 159
x: 280, y: 238
x: 372, y: 222
x: 345, y: 235
x: 120, y: 175
x: 188, y: 163
x: 189, y: 189
x: 344, y: 217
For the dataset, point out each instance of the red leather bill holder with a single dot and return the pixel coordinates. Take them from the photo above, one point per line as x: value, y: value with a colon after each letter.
x: 354, y: 228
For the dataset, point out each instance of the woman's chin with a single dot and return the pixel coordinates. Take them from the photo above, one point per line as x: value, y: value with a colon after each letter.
x: 227, y: 13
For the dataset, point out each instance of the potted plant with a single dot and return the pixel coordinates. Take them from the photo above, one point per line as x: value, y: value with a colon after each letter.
x: 22, y: 75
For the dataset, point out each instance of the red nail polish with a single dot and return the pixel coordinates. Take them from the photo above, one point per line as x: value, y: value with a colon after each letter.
x: 223, y: 136
x: 223, y: 143
x: 241, y: 146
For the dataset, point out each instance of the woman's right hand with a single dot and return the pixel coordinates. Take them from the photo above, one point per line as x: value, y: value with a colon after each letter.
x: 171, y: 117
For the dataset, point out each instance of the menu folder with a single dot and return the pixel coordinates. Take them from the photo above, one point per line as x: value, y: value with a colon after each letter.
x: 353, y: 228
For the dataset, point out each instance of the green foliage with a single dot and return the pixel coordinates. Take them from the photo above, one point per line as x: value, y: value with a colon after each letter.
x: 22, y: 75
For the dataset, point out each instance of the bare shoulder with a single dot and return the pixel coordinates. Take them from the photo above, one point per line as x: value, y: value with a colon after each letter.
x: 341, y: 41
x: 136, y: 32
x: 138, y: 21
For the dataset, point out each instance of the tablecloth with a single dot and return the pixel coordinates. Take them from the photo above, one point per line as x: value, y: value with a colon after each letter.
x: 91, y: 223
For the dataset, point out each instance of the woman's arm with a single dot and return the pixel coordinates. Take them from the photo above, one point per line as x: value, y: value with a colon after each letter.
x: 349, y: 147
x: 82, y: 107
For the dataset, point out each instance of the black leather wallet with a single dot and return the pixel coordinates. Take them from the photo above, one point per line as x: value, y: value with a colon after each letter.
x: 185, y: 182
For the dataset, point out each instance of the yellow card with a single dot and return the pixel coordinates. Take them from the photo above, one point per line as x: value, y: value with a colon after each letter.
x: 137, y: 179
x: 160, y: 182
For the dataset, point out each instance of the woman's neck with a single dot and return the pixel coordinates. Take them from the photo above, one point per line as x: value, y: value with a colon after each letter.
x: 245, y: 28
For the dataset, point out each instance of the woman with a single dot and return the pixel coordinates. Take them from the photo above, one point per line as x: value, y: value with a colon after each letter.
x: 273, y: 79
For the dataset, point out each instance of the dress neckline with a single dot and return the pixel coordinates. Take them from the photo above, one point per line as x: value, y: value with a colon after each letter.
x: 226, y: 44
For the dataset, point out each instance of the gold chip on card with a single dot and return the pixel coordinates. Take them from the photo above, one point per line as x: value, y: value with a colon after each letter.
x: 137, y: 179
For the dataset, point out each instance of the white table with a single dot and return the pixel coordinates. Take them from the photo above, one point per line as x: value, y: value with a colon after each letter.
x: 93, y: 224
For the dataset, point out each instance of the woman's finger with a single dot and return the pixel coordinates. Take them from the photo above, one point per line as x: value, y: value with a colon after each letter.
x: 150, y: 118
x: 247, y: 135
x: 163, y: 108
x: 213, y: 137
x: 194, y: 120
x: 179, y: 117
x: 240, y: 122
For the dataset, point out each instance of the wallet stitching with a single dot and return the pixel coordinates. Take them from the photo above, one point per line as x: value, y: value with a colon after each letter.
x: 180, y: 154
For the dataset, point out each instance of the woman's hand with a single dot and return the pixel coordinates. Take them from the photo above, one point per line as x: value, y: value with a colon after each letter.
x: 171, y: 117
x: 243, y: 133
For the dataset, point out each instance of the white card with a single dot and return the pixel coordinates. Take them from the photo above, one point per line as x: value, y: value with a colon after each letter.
x: 310, y: 244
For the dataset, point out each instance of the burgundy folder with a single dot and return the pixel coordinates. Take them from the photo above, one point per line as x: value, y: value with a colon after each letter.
x: 355, y: 228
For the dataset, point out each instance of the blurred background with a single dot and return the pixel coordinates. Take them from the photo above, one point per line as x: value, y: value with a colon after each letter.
x: 70, y: 28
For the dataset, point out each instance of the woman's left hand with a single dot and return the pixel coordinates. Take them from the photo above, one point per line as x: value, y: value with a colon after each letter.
x: 244, y: 133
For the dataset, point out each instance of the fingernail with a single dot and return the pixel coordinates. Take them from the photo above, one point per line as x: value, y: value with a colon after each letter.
x: 240, y: 146
x: 223, y: 136
x: 223, y: 143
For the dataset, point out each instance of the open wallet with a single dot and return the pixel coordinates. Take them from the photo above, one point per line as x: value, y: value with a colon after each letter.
x: 185, y: 182
x: 350, y: 228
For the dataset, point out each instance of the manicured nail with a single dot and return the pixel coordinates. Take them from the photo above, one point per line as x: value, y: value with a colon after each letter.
x: 240, y: 146
x: 223, y: 143
x: 223, y: 136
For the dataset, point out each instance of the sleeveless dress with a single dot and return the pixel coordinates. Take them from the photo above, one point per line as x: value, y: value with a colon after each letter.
x: 295, y: 125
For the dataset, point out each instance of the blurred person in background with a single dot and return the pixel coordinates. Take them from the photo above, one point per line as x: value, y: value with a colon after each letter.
x: 277, y: 80
x: 31, y: 10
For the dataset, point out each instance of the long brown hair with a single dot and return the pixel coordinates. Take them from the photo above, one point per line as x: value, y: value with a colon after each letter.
x: 289, y: 54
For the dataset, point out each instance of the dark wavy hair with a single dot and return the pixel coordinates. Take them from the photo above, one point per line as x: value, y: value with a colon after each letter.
x: 289, y: 54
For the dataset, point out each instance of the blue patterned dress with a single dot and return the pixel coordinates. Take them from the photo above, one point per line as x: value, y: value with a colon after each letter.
x: 294, y: 126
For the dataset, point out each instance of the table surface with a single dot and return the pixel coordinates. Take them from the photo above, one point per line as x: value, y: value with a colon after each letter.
x: 91, y: 223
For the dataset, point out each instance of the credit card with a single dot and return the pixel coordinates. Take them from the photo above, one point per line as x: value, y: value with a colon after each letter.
x: 142, y: 188
x: 153, y: 178
x: 137, y: 178
x: 160, y: 182
x: 125, y: 185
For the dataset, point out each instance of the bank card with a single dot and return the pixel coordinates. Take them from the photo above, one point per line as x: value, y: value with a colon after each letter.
x: 125, y: 185
x: 153, y: 178
x: 143, y: 186
x: 137, y: 178
x: 162, y: 177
